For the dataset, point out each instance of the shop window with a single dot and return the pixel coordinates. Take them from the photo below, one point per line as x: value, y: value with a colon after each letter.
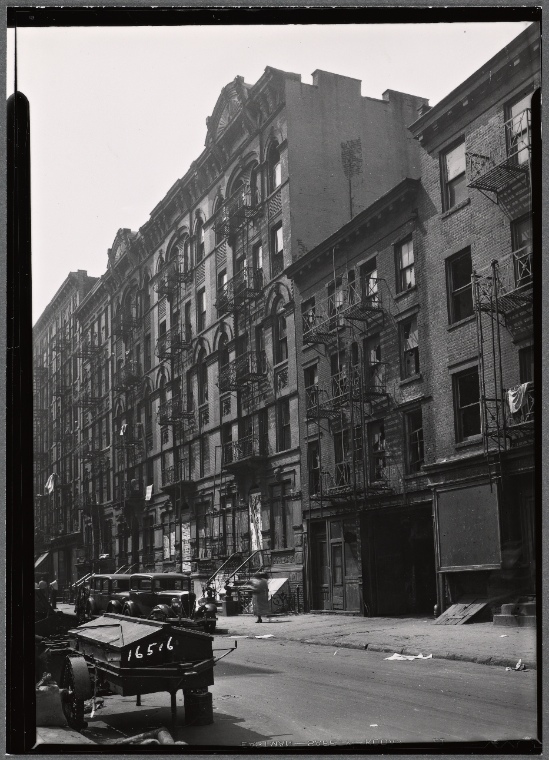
x: 283, y: 438
x: 414, y: 441
x: 409, y: 347
x: 454, y: 183
x: 466, y: 404
x: 459, y: 270
x: 406, y: 276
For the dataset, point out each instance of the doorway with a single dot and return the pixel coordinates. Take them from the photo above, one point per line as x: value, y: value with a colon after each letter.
x: 336, y: 566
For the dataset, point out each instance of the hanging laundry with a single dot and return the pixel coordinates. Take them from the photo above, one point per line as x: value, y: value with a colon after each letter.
x: 516, y: 397
x: 51, y: 483
x: 123, y: 429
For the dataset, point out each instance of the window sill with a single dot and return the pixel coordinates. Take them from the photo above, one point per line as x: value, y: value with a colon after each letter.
x: 411, y: 379
x: 474, y: 440
x: 460, y: 323
x: 457, y: 207
x: 404, y: 293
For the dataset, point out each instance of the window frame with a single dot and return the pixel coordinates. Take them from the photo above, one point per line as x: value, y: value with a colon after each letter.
x: 201, y: 313
x: 452, y: 292
x: 413, y: 351
x: 400, y: 269
x: 283, y: 425
x: 412, y: 467
x: 460, y: 436
x: 448, y: 185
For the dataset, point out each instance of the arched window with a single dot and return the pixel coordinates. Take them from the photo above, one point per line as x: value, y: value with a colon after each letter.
x: 255, y: 186
x: 202, y: 378
x: 280, y: 333
x: 199, y: 242
x: 274, y: 170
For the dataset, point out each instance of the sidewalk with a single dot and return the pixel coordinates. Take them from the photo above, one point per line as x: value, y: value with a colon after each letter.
x: 482, y: 643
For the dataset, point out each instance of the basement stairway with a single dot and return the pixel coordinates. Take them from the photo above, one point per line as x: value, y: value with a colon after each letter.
x: 517, y: 614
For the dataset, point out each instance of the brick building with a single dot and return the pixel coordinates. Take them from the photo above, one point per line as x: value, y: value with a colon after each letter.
x: 416, y: 380
x: 181, y: 375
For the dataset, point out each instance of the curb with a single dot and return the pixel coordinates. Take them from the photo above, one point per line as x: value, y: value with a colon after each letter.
x: 384, y: 648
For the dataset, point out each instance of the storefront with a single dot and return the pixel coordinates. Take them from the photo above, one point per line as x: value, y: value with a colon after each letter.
x: 336, y: 569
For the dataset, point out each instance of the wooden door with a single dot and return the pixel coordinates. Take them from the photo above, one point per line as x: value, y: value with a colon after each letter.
x: 337, y: 576
x: 321, y: 573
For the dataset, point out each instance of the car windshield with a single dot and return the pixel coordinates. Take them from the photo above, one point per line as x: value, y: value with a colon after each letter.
x: 171, y: 584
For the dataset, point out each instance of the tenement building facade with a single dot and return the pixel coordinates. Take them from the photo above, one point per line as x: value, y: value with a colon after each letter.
x: 166, y: 391
x: 416, y: 370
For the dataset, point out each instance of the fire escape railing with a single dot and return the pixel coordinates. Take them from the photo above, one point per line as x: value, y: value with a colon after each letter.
x: 244, y: 287
x: 248, y: 368
x: 176, y: 409
x: 175, y: 340
x: 244, y: 449
x: 128, y: 376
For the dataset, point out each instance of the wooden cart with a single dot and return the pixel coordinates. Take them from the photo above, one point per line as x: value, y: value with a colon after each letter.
x: 131, y: 657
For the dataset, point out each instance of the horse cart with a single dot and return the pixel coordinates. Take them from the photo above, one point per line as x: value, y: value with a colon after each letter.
x: 131, y: 657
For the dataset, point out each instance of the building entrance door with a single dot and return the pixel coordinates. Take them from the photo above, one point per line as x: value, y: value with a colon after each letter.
x: 320, y: 569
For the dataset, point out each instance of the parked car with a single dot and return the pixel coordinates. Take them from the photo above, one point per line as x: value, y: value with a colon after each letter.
x: 107, y: 592
x: 165, y: 596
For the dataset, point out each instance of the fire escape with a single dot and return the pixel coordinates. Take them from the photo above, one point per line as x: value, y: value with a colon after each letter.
x: 339, y: 325
x: 41, y: 414
x: 503, y: 291
x: 241, y: 380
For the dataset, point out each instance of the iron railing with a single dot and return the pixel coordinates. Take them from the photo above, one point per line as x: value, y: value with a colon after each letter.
x: 244, y: 287
x: 88, y: 347
x: 235, y: 212
x: 177, y: 473
x: 248, y: 368
x: 125, y: 322
x: 172, y: 276
x: 508, y: 280
x: 175, y: 340
x: 128, y: 376
x: 251, y: 447
x: 176, y: 409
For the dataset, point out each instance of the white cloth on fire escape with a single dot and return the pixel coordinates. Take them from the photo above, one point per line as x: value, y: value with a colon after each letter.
x: 516, y: 397
x: 123, y: 429
x: 51, y: 483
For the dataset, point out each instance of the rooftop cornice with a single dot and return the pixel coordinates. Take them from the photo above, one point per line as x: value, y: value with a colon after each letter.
x: 434, y: 118
x: 74, y: 282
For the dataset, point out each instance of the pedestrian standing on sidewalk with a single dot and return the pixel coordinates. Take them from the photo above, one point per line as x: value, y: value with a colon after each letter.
x: 53, y: 593
x: 260, y: 590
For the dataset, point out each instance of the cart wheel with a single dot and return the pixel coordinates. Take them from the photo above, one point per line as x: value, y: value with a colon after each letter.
x: 76, y: 680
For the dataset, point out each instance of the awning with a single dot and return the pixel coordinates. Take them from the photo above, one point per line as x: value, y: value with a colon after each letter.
x: 42, y: 558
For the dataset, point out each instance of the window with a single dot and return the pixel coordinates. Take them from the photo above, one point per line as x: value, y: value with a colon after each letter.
x: 199, y: 242
x: 188, y: 326
x: 277, y: 250
x: 222, y: 281
x: 187, y: 262
x: 376, y: 443
x: 257, y: 257
x: 335, y: 302
x: 518, y: 122
x: 202, y: 377
x: 453, y: 176
x: 282, y: 517
x: 227, y: 441
x: 280, y: 334
x: 459, y: 270
x: 526, y: 364
x: 374, y: 368
x: 148, y: 352
x: 466, y: 404
x: 274, y: 170
x: 409, y: 347
x: 310, y: 375
x: 201, y: 309
x: 308, y: 314
x: 313, y: 466
x: 406, y: 276
x: 338, y: 374
x: 342, y: 458
x: 368, y: 280
x: 283, y: 438
x: 414, y: 441
x: 521, y: 241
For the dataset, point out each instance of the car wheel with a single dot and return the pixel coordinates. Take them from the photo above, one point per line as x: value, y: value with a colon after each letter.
x: 127, y: 610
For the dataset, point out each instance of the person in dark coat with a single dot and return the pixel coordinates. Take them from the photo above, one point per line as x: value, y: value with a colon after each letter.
x: 260, y: 590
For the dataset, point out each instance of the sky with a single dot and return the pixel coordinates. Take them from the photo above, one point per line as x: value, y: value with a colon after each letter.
x: 119, y: 114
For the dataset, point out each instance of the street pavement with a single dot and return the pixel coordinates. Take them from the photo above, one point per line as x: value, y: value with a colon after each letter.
x: 313, y: 679
x: 286, y: 694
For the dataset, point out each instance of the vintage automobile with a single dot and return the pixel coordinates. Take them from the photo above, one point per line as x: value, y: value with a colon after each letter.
x: 106, y: 593
x: 165, y: 596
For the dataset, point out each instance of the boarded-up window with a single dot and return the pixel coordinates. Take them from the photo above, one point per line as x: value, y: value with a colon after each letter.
x: 468, y: 528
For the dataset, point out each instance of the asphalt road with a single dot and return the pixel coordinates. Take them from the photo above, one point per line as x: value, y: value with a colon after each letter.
x: 294, y: 695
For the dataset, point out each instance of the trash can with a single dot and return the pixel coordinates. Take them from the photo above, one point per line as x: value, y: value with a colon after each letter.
x: 198, y: 707
x: 229, y: 607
